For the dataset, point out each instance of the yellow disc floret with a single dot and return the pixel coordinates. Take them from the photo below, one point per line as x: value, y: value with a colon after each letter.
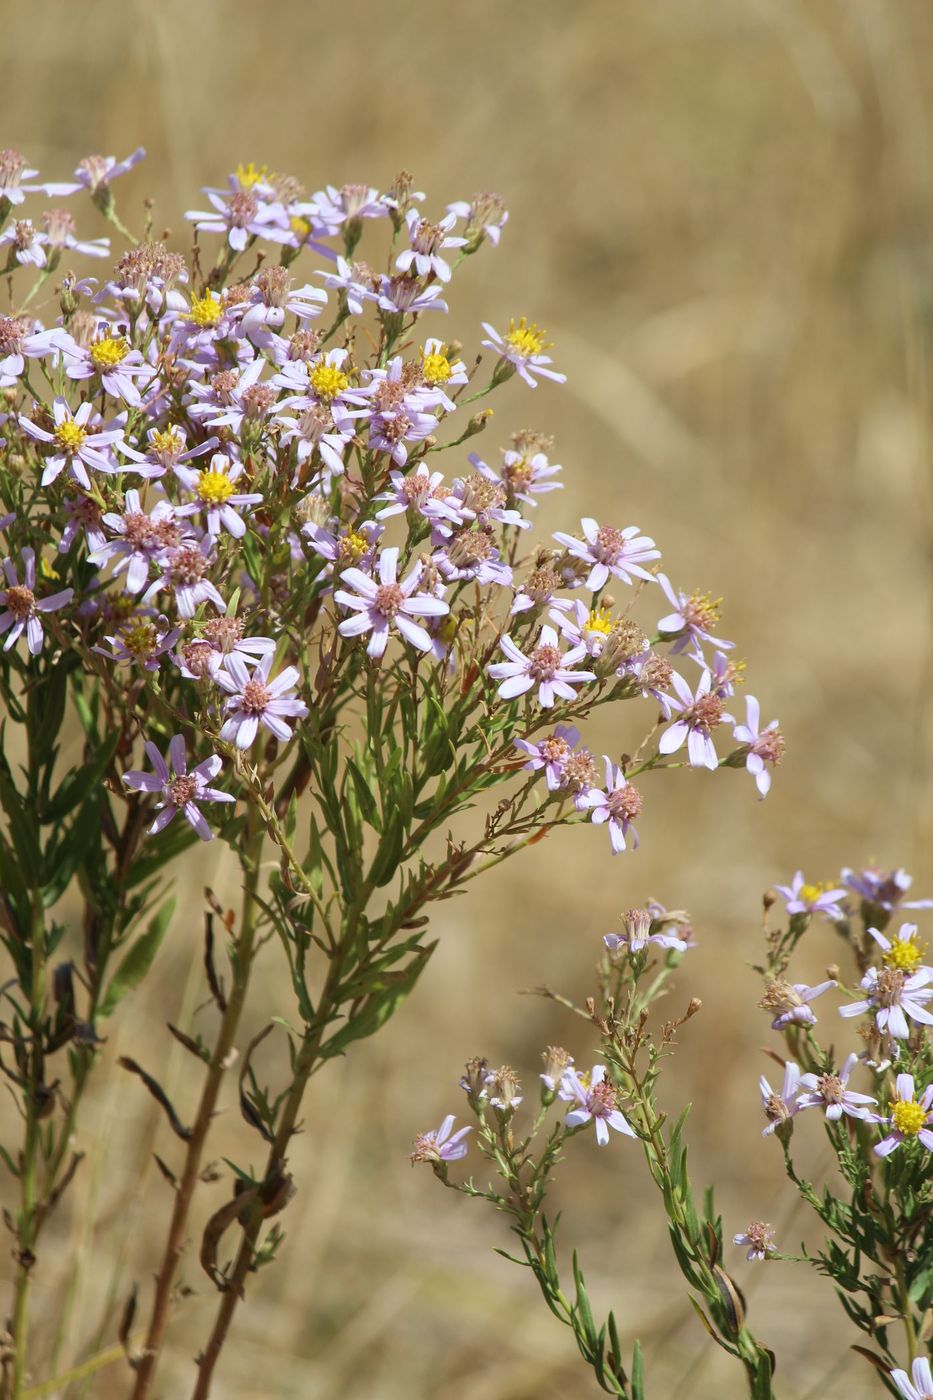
x: 526, y: 339
x: 908, y: 1118
x: 249, y: 174
x: 328, y: 381
x: 140, y: 638
x: 353, y: 546
x: 906, y: 954
x: 215, y: 487
x: 70, y: 435
x: 205, y: 311
x: 109, y: 351
x: 166, y: 442
x: 599, y: 620
x: 436, y: 368
x: 300, y: 225
x: 811, y: 893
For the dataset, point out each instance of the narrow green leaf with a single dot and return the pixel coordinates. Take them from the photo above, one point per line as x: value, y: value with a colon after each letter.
x: 138, y: 960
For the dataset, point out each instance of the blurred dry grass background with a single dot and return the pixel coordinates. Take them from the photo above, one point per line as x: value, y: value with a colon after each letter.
x: 723, y: 212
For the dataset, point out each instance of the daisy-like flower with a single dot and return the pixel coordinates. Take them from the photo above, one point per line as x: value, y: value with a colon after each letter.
x: 221, y: 637
x: 413, y: 493
x: 140, y: 539
x: 885, y: 889
x: 908, y: 1117
x: 758, y: 1238
x: 551, y: 754
x: 556, y: 1063
x: 181, y: 790
x: 241, y: 215
x: 525, y: 472
x: 545, y: 667
x: 596, y: 1101
x: 254, y: 699
x: 688, y: 625
x: 335, y: 206
x: 504, y: 1090
x: 831, y: 1092
x: 699, y: 714
x: 404, y: 295
x: 780, y: 1107
x: 20, y: 340
x: 218, y: 498
x: 440, y: 1146
x: 111, y: 358
x: 59, y: 227
x: 20, y: 609
x: 583, y: 626
x: 27, y: 243
x: 141, y: 641
x: 790, y: 1000
x: 272, y: 297
x: 894, y: 996
x: 904, y: 952
x: 428, y: 241
x: 379, y: 603
x: 803, y: 898
x: 618, y: 804
x: 74, y: 446
x: 485, y: 215
x: 355, y: 280
x: 638, y: 934
x: 13, y: 171
x: 437, y: 372
x: 167, y: 449
x: 610, y: 552
x: 764, y: 745
x: 95, y: 173
x: 522, y: 350
x: 921, y: 1386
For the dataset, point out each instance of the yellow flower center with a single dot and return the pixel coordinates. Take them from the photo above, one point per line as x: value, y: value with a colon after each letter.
x: 908, y: 1118
x: 215, y: 487
x: 811, y: 893
x: 109, y: 351
x: 702, y: 610
x: 205, y: 311
x: 140, y: 638
x: 599, y: 620
x: 300, y: 225
x: 353, y: 546
x: 70, y: 435
x: 167, y: 442
x: 906, y: 954
x: 525, y: 339
x: 328, y: 381
x: 436, y: 368
x: 249, y: 175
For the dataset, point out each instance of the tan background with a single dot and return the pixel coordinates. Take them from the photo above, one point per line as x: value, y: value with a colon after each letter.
x: 722, y: 213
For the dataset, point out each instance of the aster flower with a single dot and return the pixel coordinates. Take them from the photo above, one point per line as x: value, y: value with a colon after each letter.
x: 241, y: 215
x: 379, y: 605
x: 167, y: 449
x: 583, y: 626
x: 921, y: 1388
x: 699, y: 714
x: 414, y: 493
x: 885, y: 889
x: 218, y: 498
x: 545, y: 667
x: 13, y: 171
x: 551, y: 754
x: 759, y: 1239
x: 485, y: 216
x: 831, y: 1092
x: 95, y: 173
x: 221, y: 637
x: 472, y: 556
x: 556, y: 1062
x: 620, y: 553
x: 437, y: 372
x: 908, y: 1118
x: 181, y: 790
x: 779, y: 1108
x: 522, y: 350
x: 440, y: 1146
x: 471, y: 500
x: 141, y: 641
x: 183, y: 572
x: 503, y: 1089
x: 764, y: 745
x: 904, y: 952
x: 596, y: 1102
x: 26, y: 243
x: 894, y: 997
x: 74, y: 446
x: 802, y: 898
x: 404, y: 295
x: 524, y: 474
x: 355, y: 280
x: 348, y: 549
x: 618, y: 804
x: 428, y: 241
x: 20, y: 340
x: 20, y: 609
x: 272, y: 297
x: 59, y: 227
x: 689, y: 623
x: 110, y: 358
x: 638, y: 935
x: 335, y: 206
x: 791, y: 1002
x: 254, y: 699
x: 141, y: 538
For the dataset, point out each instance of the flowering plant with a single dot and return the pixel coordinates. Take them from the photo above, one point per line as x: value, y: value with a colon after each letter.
x: 243, y: 601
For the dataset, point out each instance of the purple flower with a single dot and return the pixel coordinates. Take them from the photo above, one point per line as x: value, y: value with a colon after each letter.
x: 909, y: 1118
x: 894, y: 997
x: 338, y: 206
x: 413, y: 493
x: 759, y: 1237
x: 523, y: 474
x: 486, y: 216
x: 439, y: 1146
x: 638, y: 935
x: 215, y: 487
x: 618, y: 805
x: 545, y: 667
x: 522, y: 350
x: 254, y: 700
x: 13, y: 170
x: 404, y: 295
x: 428, y: 241
x: 550, y: 753
x: 583, y: 626
x: 780, y: 1108
x: 27, y: 244
x: 378, y: 605
x: 110, y: 357
x: 95, y: 173
x: 141, y: 641
x: 699, y: 713
x: 181, y: 790
x: 595, y: 1098
x: 689, y: 623
x: 831, y: 1092
x: 355, y: 280
x: 183, y: 572
x: 922, y: 1387
x: 905, y: 952
x: 620, y: 553
x: 75, y: 447
x: 167, y: 449
x: 886, y: 889
x: 764, y: 745
x: 241, y: 214
x: 21, y: 608
x: 802, y: 898
x: 59, y: 227
x: 791, y: 1002
x: 141, y: 538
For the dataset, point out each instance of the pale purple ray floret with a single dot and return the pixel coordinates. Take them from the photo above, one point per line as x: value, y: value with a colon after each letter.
x: 382, y: 602
x: 75, y: 446
x: 522, y: 348
x: 20, y: 609
x: 618, y: 805
x: 909, y: 1117
x: 545, y: 667
x: 803, y: 898
x: 440, y: 1145
x: 550, y: 753
x: 622, y: 554
x: 831, y: 1092
x: 95, y: 173
x: 595, y: 1100
x: 886, y: 888
x: 791, y: 1002
x: 699, y: 714
x: 638, y: 933
x: 253, y: 699
x: 919, y: 1384
x: 894, y: 996
x: 428, y: 241
x: 689, y: 623
x: 764, y: 745
x: 181, y: 790
x: 780, y: 1107
x: 218, y: 499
